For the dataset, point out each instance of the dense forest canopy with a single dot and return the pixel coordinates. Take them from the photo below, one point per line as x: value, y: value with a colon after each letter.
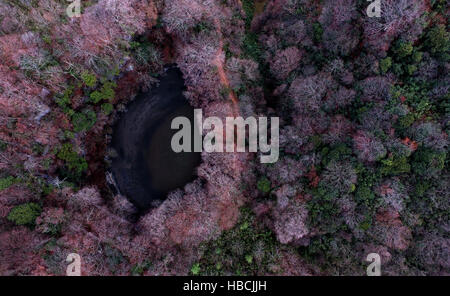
x: 364, y: 116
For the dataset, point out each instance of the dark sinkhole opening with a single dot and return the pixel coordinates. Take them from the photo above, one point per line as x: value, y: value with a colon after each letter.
x: 146, y: 168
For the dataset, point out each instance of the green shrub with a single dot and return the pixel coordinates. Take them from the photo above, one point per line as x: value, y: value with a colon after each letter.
x: 416, y: 95
x: 195, y: 270
x: 385, y: 64
x: 114, y: 257
x: 428, y: 163
x: 134, y: 44
x: 69, y: 134
x: 319, y: 245
x: 46, y: 38
x: 368, y: 177
x: 246, y: 249
x: 249, y: 8
x: 264, y: 185
x: 25, y: 214
x: 37, y: 66
x: 225, y: 91
x: 83, y: 121
x: 76, y: 164
x: 37, y: 148
x: 46, y: 163
x: 438, y: 39
x: 64, y: 99
x: 139, y: 268
x: 439, y: 5
x: 323, y: 209
x: 250, y: 47
x: 421, y: 188
x: 395, y: 165
x: 106, y: 92
x: 406, y: 120
x: 96, y: 96
x: 335, y: 153
x: 403, y: 49
x: 70, y: 112
x: 7, y: 182
x: 107, y: 108
x: 316, y: 140
x: 145, y: 53
x: 88, y: 78
x: 3, y: 145
x: 417, y: 56
x: 411, y: 69
x: 317, y: 32
x: 249, y: 259
x: 365, y: 225
x: 202, y: 27
x: 398, y: 69
x: 364, y: 194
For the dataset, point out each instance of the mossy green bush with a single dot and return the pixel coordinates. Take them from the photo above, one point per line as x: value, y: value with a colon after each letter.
x: 250, y: 47
x: 106, y: 92
x: 195, y: 269
x: 83, y: 121
x: 428, y: 162
x: 146, y: 53
x: 323, y: 210
x: 107, y: 108
x: 406, y: 121
x: 367, y: 178
x: 336, y: 153
x: 416, y: 95
x: 202, y: 27
x: 317, y: 32
x: 395, y: 165
x: 264, y: 185
x: 75, y: 163
x: 25, y: 214
x: 7, y: 182
x: 403, y: 49
x: 249, y: 9
x: 398, y: 69
x: 3, y: 145
x: 438, y: 39
x: 417, y: 56
x: 95, y: 96
x: 385, y: 64
x: 139, y: 268
x: 411, y: 69
x: 64, y: 99
x: 88, y: 78
x: 247, y: 249
x: 37, y: 148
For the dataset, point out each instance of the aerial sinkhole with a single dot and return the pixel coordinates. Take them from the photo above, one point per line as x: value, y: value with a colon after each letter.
x: 146, y: 168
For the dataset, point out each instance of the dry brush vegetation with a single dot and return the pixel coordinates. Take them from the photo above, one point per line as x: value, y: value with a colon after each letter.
x: 364, y: 122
